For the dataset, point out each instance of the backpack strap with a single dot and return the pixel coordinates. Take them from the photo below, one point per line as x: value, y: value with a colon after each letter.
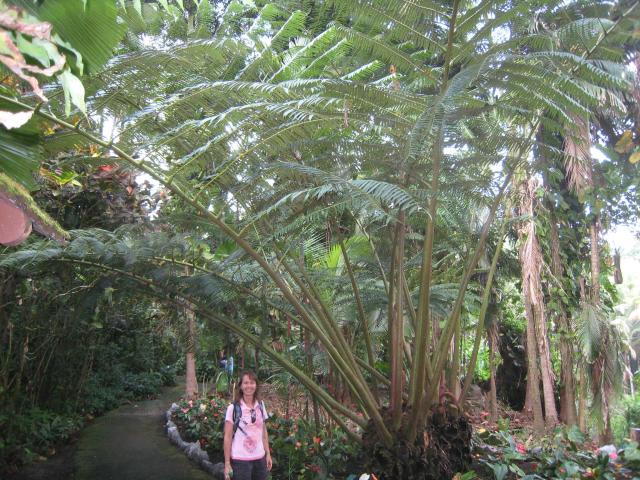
x: 237, y: 415
x: 265, y: 415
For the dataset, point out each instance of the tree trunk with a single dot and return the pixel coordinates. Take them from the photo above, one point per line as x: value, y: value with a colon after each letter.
x: 595, y: 261
x: 568, y: 384
x: 486, y: 300
x: 582, y: 383
x: 492, y: 336
x: 309, y: 360
x: 606, y: 434
x: 397, y: 326
x: 551, y: 414
x: 191, y: 379
x: 530, y: 263
x: 454, y: 368
x: 582, y: 401
x: 532, y: 403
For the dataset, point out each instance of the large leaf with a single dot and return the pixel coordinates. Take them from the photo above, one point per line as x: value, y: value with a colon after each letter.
x: 91, y: 29
x: 20, y: 155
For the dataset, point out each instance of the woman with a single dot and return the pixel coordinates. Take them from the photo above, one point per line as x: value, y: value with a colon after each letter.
x: 246, y: 442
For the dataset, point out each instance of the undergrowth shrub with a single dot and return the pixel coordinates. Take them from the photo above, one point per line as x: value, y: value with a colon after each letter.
x: 298, y: 452
x: 627, y: 416
x: 35, y: 432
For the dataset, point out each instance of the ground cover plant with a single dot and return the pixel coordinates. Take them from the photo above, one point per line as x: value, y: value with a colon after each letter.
x: 565, y: 453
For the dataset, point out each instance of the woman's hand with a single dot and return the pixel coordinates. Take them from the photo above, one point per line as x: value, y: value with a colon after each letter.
x: 228, y: 472
x: 269, y: 462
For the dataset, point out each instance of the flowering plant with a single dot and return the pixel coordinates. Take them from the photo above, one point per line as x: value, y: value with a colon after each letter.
x: 564, y: 455
x: 298, y: 451
x: 202, y: 421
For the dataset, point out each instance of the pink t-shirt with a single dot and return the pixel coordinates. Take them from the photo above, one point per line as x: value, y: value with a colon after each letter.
x: 249, y: 446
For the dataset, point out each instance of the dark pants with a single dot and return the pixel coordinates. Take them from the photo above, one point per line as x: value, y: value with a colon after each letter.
x: 250, y: 469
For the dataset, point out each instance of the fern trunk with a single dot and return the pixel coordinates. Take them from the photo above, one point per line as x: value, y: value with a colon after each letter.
x: 397, y: 326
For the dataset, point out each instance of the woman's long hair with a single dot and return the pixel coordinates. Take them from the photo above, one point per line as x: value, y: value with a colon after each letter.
x: 238, y: 394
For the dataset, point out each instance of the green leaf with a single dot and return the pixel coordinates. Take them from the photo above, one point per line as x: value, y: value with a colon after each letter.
x: 632, y: 453
x: 204, y: 19
x: 571, y: 468
x: 73, y: 92
x: 93, y: 31
x: 575, y: 435
x: 470, y: 475
x: 35, y: 49
x: 64, y: 178
x: 138, y: 6
x: 500, y: 470
x: 20, y: 156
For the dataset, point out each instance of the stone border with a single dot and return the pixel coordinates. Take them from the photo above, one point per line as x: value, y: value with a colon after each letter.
x: 192, y: 449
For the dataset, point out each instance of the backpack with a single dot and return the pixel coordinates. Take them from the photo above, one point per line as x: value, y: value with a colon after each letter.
x: 237, y: 415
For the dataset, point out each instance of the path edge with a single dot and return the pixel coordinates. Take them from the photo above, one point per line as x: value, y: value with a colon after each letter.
x: 192, y: 450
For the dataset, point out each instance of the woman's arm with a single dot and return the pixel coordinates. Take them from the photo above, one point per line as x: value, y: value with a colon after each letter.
x: 228, y: 437
x: 265, y: 443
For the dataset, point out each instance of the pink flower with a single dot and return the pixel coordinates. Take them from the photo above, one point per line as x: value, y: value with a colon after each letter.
x: 184, y: 410
x: 613, y: 456
x: 520, y: 448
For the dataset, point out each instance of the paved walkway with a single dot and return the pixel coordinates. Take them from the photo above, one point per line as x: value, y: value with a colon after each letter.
x: 129, y: 444
x: 126, y: 444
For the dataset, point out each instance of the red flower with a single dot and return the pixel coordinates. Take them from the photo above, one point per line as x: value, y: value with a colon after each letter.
x: 520, y: 448
x: 316, y: 440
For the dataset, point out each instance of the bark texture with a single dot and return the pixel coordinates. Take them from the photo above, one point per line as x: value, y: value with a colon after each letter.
x: 537, y: 341
x: 191, y: 380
